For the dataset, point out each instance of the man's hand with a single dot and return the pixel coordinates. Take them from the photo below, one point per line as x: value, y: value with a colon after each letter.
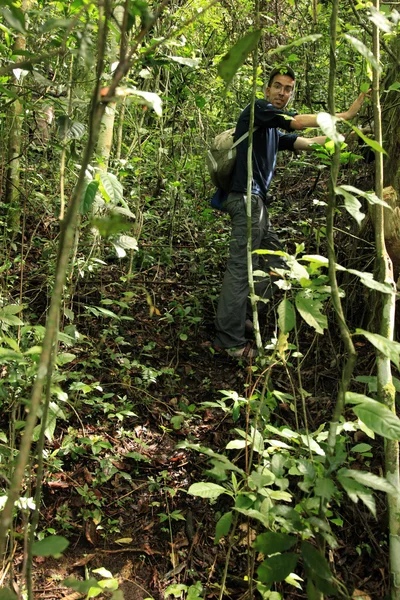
x: 355, y: 107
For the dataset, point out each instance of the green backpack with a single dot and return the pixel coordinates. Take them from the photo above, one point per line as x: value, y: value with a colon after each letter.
x: 221, y: 157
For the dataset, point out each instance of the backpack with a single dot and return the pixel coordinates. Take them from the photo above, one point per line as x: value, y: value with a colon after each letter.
x: 221, y: 157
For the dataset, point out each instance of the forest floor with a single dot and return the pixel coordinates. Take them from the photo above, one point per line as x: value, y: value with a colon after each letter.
x: 116, y: 483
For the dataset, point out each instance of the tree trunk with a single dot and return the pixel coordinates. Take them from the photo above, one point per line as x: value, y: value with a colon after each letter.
x: 12, y: 188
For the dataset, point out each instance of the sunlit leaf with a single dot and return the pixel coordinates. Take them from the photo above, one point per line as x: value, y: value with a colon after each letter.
x: 369, y: 480
x: 351, y: 204
x: 327, y: 123
x: 363, y: 50
x: 368, y: 280
x: 207, y: 490
x: 298, y: 42
x: 194, y: 63
x: 236, y: 56
x: 379, y: 20
x: 372, y: 143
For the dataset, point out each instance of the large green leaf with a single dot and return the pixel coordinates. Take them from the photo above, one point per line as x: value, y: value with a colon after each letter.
x: 369, y: 480
x: 356, y: 491
x: 327, y: 123
x: 374, y: 145
x: 88, y: 197
x: 287, y: 316
x: 315, y: 561
x: 207, y: 490
x: 298, y: 42
x: 14, y: 17
x: 50, y: 546
x: 371, y: 197
x: 352, y: 205
x: 272, y: 542
x: 7, y: 594
x: 379, y: 418
x: 223, y: 526
x: 112, y: 189
x: 310, y: 310
x: 368, y: 280
x: 363, y: 50
x: 81, y: 586
x: 277, y: 568
x: 236, y: 56
x: 389, y: 348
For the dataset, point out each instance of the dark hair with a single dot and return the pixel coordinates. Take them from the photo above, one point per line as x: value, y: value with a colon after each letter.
x: 283, y: 70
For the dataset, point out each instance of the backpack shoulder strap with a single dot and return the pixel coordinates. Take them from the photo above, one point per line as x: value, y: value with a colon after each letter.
x: 243, y: 137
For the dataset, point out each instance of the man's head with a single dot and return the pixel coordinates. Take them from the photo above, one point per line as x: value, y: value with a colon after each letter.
x: 280, y: 86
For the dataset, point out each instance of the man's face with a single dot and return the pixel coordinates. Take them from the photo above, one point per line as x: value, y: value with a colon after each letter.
x: 280, y: 91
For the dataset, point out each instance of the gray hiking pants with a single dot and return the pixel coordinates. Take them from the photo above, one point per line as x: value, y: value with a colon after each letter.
x: 234, y: 303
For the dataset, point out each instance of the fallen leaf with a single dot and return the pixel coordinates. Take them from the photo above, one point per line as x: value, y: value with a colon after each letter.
x: 361, y: 595
x: 84, y: 561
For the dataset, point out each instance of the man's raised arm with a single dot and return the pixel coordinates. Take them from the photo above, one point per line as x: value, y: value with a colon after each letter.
x: 303, y: 121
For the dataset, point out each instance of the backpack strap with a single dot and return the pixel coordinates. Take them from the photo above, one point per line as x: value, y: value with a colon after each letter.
x: 243, y: 137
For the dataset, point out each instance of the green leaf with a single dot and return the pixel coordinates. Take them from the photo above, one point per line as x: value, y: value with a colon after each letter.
x: 236, y: 56
x: 371, y: 197
x: 310, y: 310
x: 88, y: 197
x: 194, y: 63
x: 54, y: 23
x: 376, y: 416
x: 103, y: 572
x: 64, y: 358
x: 377, y: 147
x: 82, y: 587
x: 363, y: 50
x: 368, y: 280
x: 176, y: 590
x: 327, y: 123
x: 112, y: 187
x: 111, y: 225
x: 207, y: 490
x: 50, y: 546
x: 356, y: 492
x: 299, y: 42
x: 7, y: 594
x: 15, y: 18
x: 149, y: 99
x: 361, y: 448
x: 379, y: 20
x: 277, y: 568
x: 369, y: 480
x: 287, y: 316
x: 12, y: 309
x: 272, y: 542
x: 223, y: 526
x: 352, y: 205
x: 315, y: 562
x: 324, y: 488
x: 388, y: 348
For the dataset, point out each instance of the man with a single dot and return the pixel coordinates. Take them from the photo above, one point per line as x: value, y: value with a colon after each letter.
x: 234, y: 308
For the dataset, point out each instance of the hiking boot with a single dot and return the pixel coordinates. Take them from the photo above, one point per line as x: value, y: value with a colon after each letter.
x: 242, y: 352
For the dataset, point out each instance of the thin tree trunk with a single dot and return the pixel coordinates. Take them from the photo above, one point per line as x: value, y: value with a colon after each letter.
x: 12, y: 188
x: 386, y: 391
